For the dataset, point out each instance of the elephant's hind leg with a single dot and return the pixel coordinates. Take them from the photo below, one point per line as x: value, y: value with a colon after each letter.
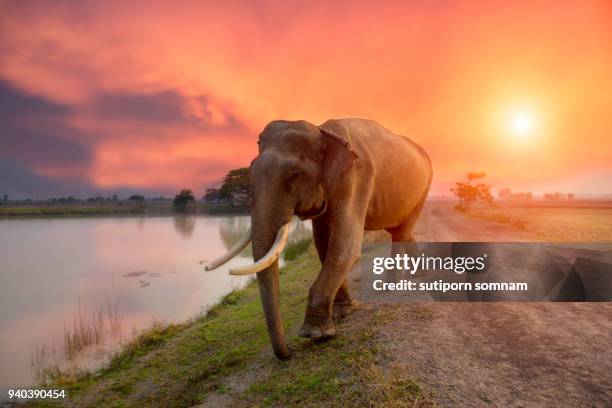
x: 403, y: 242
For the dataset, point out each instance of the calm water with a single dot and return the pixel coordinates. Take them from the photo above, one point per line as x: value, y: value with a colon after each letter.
x: 148, y: 269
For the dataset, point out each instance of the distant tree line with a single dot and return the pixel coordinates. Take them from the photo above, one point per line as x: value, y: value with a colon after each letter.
x: 557, y: 196
x: 235, y: 191
x: 100, y: 199
x: 505, y: 194
x: 472, y: 190
x: 137, y: 198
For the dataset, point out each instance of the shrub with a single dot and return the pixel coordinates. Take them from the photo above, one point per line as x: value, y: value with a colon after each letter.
x: 295, y: 249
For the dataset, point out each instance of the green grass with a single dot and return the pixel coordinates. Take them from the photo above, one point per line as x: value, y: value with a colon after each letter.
x: 339, y: 372
x: 295, y: 249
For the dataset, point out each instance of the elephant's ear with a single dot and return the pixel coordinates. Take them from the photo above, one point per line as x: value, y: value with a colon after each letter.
x: 338, y: 158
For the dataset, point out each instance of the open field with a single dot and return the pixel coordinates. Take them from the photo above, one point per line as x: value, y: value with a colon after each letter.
x: 554, y: 224
x: 541, y: 203
x: 398, y: 355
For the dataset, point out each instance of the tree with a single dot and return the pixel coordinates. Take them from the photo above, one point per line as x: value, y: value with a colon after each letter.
x: 505, y: 193
x: 528, y: 196
x: 570, y: 196
x: 212, y: 195
x: 556, y: 196
x: 67, y: 200
x: 5, y: 198
x: 137, y: 198
x: 183, y: 200
x: 236, y: 187
x: 471, y: 191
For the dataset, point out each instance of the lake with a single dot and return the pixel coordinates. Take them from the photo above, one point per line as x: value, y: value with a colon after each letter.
x: 80, y: 287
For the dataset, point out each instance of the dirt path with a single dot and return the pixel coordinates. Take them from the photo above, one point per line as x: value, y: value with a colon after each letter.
x: 481, y: 354
x: 505, y: 354
x: 499, y: 354
x: 440, y: 223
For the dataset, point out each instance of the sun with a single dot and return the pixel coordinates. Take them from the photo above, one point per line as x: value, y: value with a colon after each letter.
x: 521, y: 123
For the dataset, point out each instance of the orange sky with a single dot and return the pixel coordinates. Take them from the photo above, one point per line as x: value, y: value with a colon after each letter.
x: 127, y: 96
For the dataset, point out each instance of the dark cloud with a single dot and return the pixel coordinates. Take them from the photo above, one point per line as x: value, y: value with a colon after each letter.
x: 18, y: 181
x: 45, y: 147
x: 15, y: 104
x: 167, y: 106
x: 33, y: 131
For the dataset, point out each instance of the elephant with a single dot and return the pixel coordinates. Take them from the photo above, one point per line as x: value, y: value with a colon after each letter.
x: 346, y: 175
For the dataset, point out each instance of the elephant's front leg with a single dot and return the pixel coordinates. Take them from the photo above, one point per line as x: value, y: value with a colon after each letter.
x: 343, y: 251
x: 344, y: 304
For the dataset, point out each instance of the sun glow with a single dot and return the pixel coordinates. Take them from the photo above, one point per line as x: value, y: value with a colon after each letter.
x: 521, y: 124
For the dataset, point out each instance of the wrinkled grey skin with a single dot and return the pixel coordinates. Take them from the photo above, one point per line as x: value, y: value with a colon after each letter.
x: 348, y: 175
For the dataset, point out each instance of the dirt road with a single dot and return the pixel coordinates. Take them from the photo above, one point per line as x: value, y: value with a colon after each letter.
x: 497, y: 354
x: 440, y: 223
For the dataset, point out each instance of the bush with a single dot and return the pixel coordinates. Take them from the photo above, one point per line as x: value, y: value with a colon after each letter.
x: 183, y: 200
x: 295, y: 249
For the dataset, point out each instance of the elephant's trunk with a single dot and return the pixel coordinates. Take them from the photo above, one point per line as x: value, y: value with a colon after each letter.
x: 264, y: 231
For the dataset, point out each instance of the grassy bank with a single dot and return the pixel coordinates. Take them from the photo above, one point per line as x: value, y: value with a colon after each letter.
x: 73, y: 211
x: 82, y: 210
x: 225, y: 358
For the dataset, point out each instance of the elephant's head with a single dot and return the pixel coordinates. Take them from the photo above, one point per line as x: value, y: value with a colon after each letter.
x: 296, y: 172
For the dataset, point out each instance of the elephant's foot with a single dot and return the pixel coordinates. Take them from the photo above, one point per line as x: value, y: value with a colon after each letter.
x: 318, y: 325
x: 344, y: 308
x: 318, y: 331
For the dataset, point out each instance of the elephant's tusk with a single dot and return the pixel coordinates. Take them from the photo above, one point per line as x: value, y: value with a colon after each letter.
x: 269, y: 258
x: 235, y: 250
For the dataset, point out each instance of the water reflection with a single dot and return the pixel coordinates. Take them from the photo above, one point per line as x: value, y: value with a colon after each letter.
x: 185, y: 225
x: 140, y: 224
x: 51, y: 268
x: 232, y: 229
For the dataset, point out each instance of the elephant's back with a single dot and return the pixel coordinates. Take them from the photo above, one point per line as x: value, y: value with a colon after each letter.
x: 369, y: 138
x: 399, y: 169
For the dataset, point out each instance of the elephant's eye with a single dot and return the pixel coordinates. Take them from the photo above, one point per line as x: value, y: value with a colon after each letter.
x: 294, y: 176
x: 290, y: 181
